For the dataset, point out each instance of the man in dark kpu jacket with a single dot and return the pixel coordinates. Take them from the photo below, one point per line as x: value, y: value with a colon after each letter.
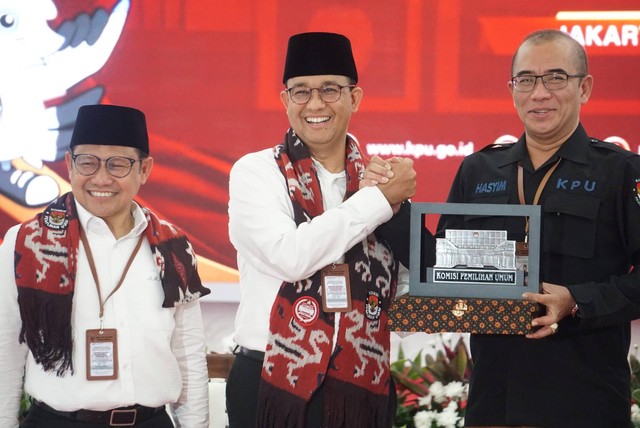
x: 572, y: 371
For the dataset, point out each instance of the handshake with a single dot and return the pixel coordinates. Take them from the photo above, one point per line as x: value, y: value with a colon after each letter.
x: 395, y: 177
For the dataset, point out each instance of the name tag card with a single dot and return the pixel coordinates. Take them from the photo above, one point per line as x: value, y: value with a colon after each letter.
x: 336, y: 289
x: 102, y: 354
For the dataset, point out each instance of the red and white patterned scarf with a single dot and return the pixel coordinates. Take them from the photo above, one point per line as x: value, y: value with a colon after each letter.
x: 46, y: 255
x: 300, y: 354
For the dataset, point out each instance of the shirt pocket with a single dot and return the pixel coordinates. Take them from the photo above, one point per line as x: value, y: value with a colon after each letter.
x: 488, y: 222
x: 569, y: 225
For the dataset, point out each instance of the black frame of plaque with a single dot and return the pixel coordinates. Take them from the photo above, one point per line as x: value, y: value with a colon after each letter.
x: 472, y: 290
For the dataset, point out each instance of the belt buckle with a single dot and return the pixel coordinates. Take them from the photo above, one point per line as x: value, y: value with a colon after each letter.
x: 115, y: 422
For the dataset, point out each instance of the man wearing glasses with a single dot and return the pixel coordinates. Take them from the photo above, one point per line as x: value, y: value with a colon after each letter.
x: 100, y: 296
x: 572, y: 371
x: 315, y: 282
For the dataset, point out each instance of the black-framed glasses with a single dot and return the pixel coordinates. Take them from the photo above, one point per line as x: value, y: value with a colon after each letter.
x: 328, y: 93
x: 118, y: 166
x: 551, y: 81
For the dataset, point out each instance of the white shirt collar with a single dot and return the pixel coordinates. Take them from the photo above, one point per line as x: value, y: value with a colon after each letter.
x: 323, y: 171
x: 89, y: 221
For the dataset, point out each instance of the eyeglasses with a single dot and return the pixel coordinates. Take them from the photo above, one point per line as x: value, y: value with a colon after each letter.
x: 551, y: 81
x: 118, y: 166
x: 328, y: 93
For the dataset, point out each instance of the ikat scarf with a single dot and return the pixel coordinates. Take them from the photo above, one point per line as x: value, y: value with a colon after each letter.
x: 300, y: 355
x: 45, y: 270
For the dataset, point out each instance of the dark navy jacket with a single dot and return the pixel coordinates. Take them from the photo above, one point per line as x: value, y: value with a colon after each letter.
x: 590, y: 243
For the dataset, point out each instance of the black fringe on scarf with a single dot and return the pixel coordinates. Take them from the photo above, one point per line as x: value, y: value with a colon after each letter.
x: 279, y: 409
x: 344, y: 406
x: 348, y: 406
x: 46, y: 328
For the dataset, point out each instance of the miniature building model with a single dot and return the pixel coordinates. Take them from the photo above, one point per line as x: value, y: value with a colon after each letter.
x: 475, y: 249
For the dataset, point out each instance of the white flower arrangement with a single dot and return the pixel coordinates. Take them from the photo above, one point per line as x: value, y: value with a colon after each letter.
x: 432, y: 394
x: 440, y: 408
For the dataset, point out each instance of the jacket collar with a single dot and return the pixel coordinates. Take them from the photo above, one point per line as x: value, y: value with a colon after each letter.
x: 574, y: 149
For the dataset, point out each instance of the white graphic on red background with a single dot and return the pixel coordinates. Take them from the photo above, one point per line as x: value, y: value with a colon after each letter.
x: 306, y: 310
x: 40, y: 65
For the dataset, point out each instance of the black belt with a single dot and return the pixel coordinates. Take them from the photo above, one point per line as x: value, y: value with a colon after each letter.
x: 250, y: 353
x: 120, y: 417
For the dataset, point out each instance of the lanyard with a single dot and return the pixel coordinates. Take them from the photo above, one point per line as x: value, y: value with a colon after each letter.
x: 92, y: 266
x: 536, y: 198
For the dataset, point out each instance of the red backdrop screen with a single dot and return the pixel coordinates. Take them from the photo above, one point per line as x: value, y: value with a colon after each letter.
x: 208, y: 76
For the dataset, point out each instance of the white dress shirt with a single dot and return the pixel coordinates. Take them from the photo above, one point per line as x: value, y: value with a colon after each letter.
x: 161, y: 351
x: 272, y: 248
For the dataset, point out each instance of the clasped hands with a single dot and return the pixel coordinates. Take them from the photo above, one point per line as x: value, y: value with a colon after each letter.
x: 395, y: 177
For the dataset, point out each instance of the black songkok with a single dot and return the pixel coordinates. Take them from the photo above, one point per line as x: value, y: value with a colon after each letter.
x: 312, y: 54
x: 110, y: 125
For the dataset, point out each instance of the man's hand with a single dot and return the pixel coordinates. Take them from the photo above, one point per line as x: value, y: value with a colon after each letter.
x: 558, y: 302
x: 395, y: 177
x: 378, y: 171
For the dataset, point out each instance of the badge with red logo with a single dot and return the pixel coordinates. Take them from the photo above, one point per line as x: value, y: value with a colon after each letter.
x: 306, y: 310
x: 636, y: 194
x: 372, y: 309
x: 55, y: 218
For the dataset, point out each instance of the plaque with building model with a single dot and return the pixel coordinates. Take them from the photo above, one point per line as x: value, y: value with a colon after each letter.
x: 476, y: 256
x: 470, y: 261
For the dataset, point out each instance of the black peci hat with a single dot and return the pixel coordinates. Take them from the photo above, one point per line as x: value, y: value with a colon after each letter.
x: 312, y: 54
x: 110, y: 125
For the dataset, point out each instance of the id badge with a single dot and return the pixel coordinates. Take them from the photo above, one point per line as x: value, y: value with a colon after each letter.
x: 336, y: 290
x: 102, y: 354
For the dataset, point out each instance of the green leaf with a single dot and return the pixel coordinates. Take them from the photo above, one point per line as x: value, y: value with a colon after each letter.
x: 25, y: 403
x: 400, y: 353
x: 410, y: 384
x: 634, y: 363
x: 461, y: 360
